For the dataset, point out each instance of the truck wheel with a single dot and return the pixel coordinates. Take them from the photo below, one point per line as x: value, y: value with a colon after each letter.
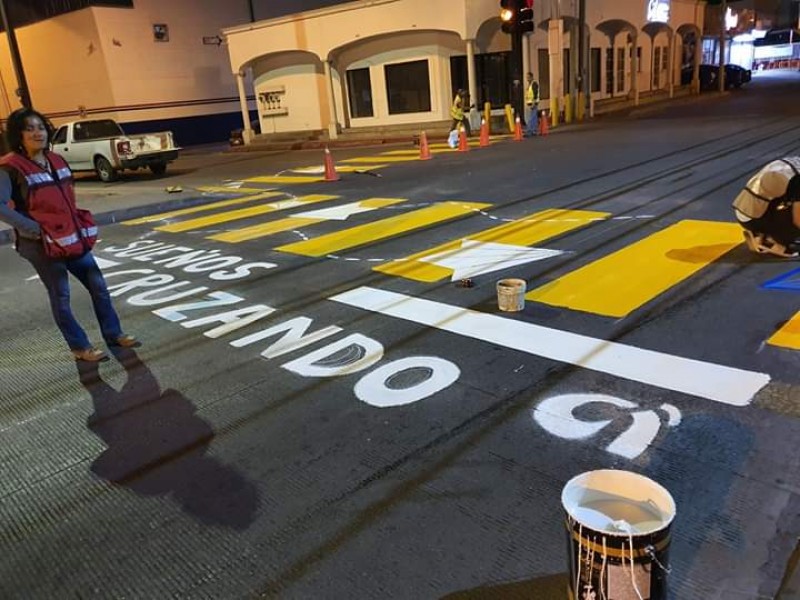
x: 104, y: 170
x: 158, y: 168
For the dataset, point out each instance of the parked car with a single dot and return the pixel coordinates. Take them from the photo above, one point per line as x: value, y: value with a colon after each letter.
x: 735, y: 76
x: 102, y: 146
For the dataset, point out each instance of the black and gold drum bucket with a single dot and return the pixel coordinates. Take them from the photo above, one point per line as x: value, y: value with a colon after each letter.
x: 618, y: 533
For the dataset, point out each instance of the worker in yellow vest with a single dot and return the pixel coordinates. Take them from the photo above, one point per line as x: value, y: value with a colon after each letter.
x: 531, y: 106
x: 457, y: 112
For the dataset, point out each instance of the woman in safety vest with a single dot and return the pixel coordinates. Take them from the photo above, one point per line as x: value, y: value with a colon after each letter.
x: 768, y: 209
x: 37, y: 198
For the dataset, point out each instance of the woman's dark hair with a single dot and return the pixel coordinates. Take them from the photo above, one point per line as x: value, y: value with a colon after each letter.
x: 15, y: 125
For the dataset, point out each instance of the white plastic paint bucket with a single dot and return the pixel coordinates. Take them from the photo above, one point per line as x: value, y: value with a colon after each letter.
x: 618, y: 531
x: 511, y: 294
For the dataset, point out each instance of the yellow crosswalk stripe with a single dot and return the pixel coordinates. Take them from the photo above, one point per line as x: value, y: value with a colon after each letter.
x: 221, y: 189
x: 278, y: 179
x: 202, y: 208
x: 290, y: 223
x: 383, y: 229
x: 788, y: 336
x: 320, y: 170
x: 243, y: 213
x: 379, y: 159
x: 527, y: 231
x: 620, y: 283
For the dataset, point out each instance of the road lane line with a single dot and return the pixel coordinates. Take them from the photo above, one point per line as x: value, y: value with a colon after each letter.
x: 243, y: 213
x: 711, y: 381
x: 787, y: 336
x: 380, y: 230
x: 526, y: 231
x: 618, y: 284
x: 202, y: 208
x: 302, y: 220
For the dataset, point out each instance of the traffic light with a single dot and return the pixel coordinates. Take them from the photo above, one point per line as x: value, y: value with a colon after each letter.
x: 516, y: 15
x: 509, y: 15
x: 526, y: 19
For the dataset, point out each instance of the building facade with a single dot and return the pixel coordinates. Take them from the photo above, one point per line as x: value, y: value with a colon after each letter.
x: 393, y: 62
x: 146, y: 66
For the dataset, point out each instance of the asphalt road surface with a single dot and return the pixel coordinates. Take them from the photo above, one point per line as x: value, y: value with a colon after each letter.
x: 322, y: 409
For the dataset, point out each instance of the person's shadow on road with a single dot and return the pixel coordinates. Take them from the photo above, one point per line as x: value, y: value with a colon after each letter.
x: 157, y: 446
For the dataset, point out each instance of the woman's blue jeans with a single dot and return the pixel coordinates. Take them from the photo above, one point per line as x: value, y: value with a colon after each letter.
x: 55, y: 277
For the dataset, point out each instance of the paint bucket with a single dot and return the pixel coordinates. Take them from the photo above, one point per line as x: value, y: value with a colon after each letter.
x: 511, y: 294
x: 618, y: 532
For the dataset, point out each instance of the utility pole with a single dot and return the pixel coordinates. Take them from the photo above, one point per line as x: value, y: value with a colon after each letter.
x: 516, y: 70
x: 722, y: 30
x: 583, y: 80
x: 22, y: 90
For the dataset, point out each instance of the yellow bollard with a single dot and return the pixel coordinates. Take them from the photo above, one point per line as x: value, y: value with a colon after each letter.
x: 568, y: 108
x: 553, y: 112
x: 510, y: 118
x: 487, y: 115
x: 580, y: 111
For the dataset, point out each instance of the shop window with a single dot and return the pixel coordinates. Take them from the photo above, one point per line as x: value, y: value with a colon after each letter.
x: 359, y: 92
x: 620, y: 69
x: 544, y: 73
x: 408, y: 87
x: 492, y: 74
x: 594, y: 70
x: 656, y: 65
x: 610, y: 71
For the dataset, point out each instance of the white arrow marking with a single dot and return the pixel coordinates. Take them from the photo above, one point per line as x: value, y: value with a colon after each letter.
x: 336, y: 213
x: 476, y: 257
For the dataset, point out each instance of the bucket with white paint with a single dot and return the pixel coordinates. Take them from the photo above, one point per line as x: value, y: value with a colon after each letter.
x: 618, y: 531
x: 511, y: 294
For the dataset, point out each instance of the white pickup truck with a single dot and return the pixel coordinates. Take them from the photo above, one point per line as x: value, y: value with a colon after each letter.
x: 102, y: 146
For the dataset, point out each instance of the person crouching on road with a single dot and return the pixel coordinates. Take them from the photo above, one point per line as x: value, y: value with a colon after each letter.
x: 768, y: 209
x: 457, y: 112
x: 37, y: 199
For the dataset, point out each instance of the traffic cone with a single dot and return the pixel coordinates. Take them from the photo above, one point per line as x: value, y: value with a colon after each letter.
x: 463, y: 146
x: 330, y: 169
x: 544, y: 127
x: 517, y: 130
x: 484, y: 141
x: 424, y: 151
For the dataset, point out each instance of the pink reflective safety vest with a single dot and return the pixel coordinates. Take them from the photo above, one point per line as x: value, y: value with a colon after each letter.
x: 67, y: 231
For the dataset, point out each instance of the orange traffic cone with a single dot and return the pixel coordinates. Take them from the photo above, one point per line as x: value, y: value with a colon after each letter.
x: 424, y: 151
x: 330, y: 169
x: 517, y: 130
x: 484, y: 141
x: 463, y: 146
x: 544, y: 127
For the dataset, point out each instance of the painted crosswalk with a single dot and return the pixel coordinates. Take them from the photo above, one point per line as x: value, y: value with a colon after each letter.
x: 381, y: 230
x: 244, y: 213
x: 305, y: 219
x: 202, y: 208
x: 490, y: 250
x: 621, y: 282
x: 788, y: 336
x: 613, y: 285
